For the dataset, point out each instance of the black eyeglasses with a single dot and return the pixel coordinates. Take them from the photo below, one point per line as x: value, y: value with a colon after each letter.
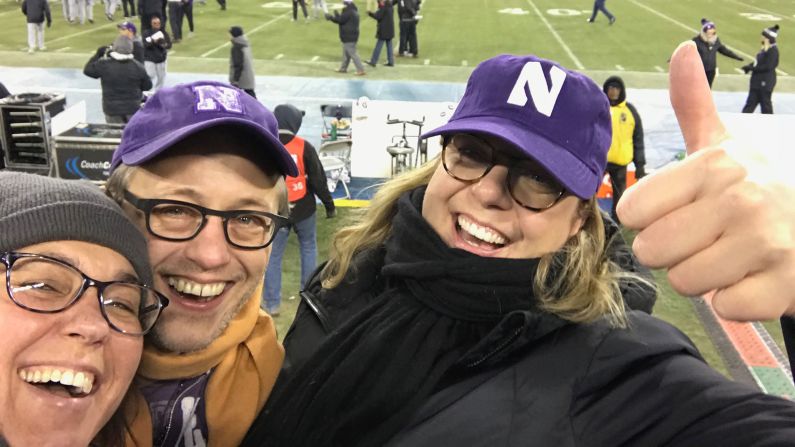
x: 468, y: 158
x: 47, y: 285
x: 174, y: 220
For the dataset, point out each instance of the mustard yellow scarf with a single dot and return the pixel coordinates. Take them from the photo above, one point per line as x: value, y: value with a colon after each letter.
x: 246, y: 359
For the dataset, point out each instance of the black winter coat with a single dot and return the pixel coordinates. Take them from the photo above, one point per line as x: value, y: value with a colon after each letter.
x: 408, y: 9
x: 386, y: 21
x: 37, y: 11
x: 348, y: 22
x: 709, y: 52
x: 156, y: 50
x: 535, y: 381
x: 763, y: 72
x: 123, y: 82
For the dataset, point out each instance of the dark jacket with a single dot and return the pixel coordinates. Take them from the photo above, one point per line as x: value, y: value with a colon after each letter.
x: 708, y: 52
x: 156, y: 50
x: 241, y: 64
x: 138, y: 49
x: 348, y: 22
x: 535, y: 380
x: 123, y: 81
x: 386, y: 21
x: 290, y: 119
x: 408, y: 9
x: 37, y: 11
x: 150, y: 7
x: 788, y: 330
x: 763, y: 70
x: 638, y: 145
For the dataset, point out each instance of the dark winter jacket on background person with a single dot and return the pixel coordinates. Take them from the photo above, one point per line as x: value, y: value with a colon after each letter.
x: 763, y: 70
x: 37, y: 11
x: 241, y: 64
x: 156, y: 50
x: 290, y: 119
x: 348, y: 22
x: 532, y: 379
x: 123, y: 81
x: 407, y: 10
x: 386, y: 21
x: 708, y: 52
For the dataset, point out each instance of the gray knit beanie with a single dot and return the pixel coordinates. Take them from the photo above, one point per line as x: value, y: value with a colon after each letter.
x: 36, y: 209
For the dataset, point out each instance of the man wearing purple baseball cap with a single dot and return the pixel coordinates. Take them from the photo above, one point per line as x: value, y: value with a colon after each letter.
x: 481, y: 300
x: 128, y: 29
x: 200, y: 169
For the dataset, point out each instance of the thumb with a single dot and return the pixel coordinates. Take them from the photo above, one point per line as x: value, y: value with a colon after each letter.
x: 692, y: 101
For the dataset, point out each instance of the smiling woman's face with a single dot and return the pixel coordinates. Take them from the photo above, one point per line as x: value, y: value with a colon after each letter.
x: 483, y: 218
x: 43, y: 353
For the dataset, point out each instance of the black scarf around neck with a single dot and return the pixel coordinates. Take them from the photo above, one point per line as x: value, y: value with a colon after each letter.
x: 370, y: 375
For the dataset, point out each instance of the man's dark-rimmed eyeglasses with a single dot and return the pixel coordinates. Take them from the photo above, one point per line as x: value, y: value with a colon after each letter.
x: 469, y: 158
x: 43, y: 284
x: 175, y: 220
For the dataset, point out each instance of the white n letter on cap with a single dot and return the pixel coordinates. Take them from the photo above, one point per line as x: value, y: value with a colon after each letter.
x: 533, y: 76
x: 214, y: 98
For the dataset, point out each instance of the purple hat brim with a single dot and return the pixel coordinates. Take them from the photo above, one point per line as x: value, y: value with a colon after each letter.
x: 569, y: 170
x: 162, y: 143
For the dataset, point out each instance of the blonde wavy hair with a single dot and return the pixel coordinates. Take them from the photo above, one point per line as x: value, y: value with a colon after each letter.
x: 578, y: 283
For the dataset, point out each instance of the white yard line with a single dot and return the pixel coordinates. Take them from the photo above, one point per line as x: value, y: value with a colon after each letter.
x: 426, y: 62
x: 695, y: 31
x: 566, y: 48
x: 659, y: 69
x: 59, y: 50
x: 268, y: 23
x: 279, y: 56
x: 314, y: 59
x: 90, y: 30
x: 739, y: 70
x: 619, y: 67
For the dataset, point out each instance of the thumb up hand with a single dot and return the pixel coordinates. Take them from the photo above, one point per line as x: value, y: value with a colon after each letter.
x: 721, y: 220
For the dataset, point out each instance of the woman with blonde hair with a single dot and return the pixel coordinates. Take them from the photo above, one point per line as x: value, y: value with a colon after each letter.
x: 480, y: 301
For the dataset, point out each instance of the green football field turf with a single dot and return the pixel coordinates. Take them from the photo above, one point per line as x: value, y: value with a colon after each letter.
x: 454, y: 35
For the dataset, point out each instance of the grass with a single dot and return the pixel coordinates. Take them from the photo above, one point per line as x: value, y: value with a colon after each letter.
x: 671, y: 306
x: 453, y: 37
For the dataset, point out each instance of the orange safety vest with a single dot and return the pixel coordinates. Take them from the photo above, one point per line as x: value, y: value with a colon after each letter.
x: 296, y: 186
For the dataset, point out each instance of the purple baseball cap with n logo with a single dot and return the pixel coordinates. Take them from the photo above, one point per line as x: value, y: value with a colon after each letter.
x: 559, y: 118
x: 174, y: 113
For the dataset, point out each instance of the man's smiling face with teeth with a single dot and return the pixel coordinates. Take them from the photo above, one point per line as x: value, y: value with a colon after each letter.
x: 206, y: 279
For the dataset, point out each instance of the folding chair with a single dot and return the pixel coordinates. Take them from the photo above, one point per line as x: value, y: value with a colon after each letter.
x: 335, y: 156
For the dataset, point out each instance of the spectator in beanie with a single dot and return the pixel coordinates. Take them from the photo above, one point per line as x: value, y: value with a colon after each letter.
x: 241, y: 62
x: 157, y: 42
x: 301, y: 192
x: 128, y: 29
x: 123, y: 80
x: 763, y: 73
x: 36, y: 11
x: 627, y: 144
x: 348, y: 23
x: 709, y: 45
x: 385, y: 32
x: 407, y: 14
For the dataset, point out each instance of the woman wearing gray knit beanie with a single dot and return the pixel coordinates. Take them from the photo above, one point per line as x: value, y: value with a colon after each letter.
x: 73, y: 310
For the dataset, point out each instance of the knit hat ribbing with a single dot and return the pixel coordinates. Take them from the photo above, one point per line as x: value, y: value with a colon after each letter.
x: 36, y: 209
x: 706, y: 25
